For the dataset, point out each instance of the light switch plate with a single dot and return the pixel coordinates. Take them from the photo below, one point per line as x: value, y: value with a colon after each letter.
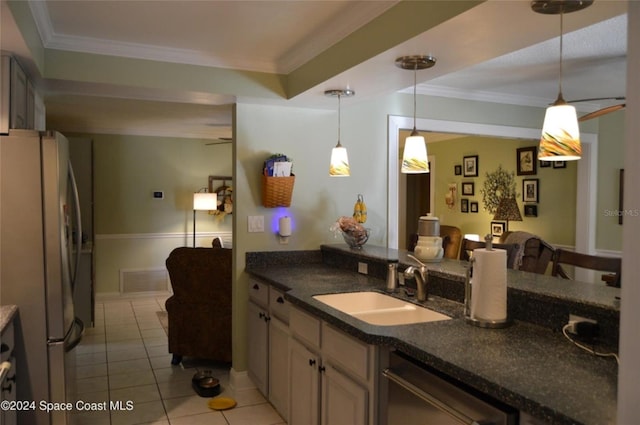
x: 255, y: 223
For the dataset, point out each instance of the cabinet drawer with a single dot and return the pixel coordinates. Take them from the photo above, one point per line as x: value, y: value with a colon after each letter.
x: 306, y: 328
x: 346, y: 352
x: 259, y: 292
x: 278, y: 305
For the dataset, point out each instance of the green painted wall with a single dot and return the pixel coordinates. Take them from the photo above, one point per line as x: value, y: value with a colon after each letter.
x: 610, y: 161
x: 557, y: 188
x: 135, y: 231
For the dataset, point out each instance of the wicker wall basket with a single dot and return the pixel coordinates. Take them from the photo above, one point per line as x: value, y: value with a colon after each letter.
x: 276, y: 191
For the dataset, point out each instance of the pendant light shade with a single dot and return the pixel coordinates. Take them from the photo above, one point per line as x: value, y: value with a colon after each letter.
x: 560, y: 140
x: 339, y: 165
x: 415, y: 158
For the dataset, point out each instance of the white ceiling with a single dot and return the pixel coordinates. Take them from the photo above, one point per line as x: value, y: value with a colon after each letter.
x: 498, y: 51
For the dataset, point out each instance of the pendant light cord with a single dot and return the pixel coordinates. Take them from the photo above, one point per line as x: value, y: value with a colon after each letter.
x: 415, y: 73
x: 560, y: 80
x: 339, y: 120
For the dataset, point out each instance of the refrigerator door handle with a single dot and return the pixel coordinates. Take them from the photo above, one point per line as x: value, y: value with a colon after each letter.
x: 77, y: 323
x: 78, y: 241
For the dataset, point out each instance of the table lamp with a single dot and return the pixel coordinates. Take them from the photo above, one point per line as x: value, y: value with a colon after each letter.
x: 203, y: 201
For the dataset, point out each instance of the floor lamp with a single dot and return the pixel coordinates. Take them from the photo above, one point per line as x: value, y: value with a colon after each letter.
x: 203, y: 201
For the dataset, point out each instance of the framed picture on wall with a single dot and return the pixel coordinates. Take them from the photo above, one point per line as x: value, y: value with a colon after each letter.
x: 473, y: 206
x: 530, y: 210
x: 468, y: 188
x: 544, y: 164
x: 527, y: 161
x: 464, y: 205
x: 559, y: 164
x: 497, y: 228
x: 457, y: 170
x: 470, y: 166
x: 530, y: 190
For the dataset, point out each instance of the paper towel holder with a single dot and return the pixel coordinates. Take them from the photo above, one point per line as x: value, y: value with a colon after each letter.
x: 482, y: 323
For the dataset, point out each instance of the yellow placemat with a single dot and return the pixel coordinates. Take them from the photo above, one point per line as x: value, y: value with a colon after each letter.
x: 222, y: 403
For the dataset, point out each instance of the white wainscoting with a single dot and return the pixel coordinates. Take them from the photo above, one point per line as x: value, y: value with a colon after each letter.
x: 117, y: 253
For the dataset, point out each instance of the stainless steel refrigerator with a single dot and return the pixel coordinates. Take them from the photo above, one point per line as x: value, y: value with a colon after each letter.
x: 39, y: 216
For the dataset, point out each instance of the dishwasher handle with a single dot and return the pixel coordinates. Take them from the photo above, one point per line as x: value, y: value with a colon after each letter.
x: 434, y: 401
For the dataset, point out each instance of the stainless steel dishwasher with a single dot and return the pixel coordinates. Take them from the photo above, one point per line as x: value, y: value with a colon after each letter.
x: 417, y: 396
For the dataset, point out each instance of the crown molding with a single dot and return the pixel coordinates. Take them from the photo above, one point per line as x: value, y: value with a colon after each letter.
x: 493, y: 97
x: 351, y: 20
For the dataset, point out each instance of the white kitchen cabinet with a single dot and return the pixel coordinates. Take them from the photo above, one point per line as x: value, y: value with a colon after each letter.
x: 304, y: 385
x: 268, y: 333
x: 258, y: 339
x: 343, y: 400
x: 278, y: 365
x: 331, y: 375
x: 17, y: 97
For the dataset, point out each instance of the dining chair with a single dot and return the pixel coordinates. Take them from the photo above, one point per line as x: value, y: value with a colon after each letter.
x: 467, y: 247
x: 612, y: 265
x: 451, y: 239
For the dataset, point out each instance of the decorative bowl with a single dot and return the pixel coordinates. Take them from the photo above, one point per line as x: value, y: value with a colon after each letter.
x: 356, y: 239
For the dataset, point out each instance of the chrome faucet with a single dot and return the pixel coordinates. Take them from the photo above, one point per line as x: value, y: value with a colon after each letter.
x: 419, y: 273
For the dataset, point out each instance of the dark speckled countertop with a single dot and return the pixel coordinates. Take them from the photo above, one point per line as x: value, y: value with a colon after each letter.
x: 7, y: 312
x: 530, y: 367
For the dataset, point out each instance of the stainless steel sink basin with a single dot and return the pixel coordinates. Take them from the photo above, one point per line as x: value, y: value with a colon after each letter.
x: 380, y: 309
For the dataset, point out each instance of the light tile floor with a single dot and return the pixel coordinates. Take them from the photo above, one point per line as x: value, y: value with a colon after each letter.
x: 125, y: 358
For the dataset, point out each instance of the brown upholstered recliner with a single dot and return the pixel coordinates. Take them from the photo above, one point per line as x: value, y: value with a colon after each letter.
x: 199, y: 310
x: 535, y: 253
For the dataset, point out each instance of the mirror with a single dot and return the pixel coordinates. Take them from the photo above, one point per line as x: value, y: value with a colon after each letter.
x: 586, y: 174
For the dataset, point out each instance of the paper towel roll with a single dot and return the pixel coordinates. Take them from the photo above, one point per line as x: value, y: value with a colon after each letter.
x: 489, y: 285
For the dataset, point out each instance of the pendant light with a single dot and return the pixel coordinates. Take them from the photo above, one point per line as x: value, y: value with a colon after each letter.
x: 414, y: 158
x: 560, y: 140
x: 339, y: 166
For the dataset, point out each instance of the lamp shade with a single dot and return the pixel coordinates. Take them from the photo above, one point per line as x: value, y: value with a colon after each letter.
x: 560, y: 139
x: 508, y: 210
x: 414, y: 158
x: 205, y: 201
x: 339, y: 166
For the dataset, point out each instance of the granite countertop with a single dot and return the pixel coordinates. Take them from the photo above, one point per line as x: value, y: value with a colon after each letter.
x: 529, y: 367
x: 7, y: 312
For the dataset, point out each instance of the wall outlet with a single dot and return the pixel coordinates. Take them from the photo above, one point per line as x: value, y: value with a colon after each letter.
x: 363, y: 268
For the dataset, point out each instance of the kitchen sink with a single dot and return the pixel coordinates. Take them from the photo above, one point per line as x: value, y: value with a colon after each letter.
x: 380, y: 309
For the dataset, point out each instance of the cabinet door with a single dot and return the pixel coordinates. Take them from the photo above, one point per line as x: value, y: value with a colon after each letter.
x: 303, y: 385
x: 343, y: 400
x: 279, y: 366
x: 257, y: 332
x: 30, y: 106
x: 18, y: 109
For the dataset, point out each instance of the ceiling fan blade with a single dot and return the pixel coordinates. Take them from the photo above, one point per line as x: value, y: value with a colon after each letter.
x: 220, y: 141
x: 600, y: 112
x: 591, y: 99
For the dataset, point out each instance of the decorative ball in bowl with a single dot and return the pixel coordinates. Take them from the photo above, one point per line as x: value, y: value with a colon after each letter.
x: 356, y: 239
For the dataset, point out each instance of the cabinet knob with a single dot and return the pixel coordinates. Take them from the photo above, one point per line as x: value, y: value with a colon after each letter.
x: 256, y: 287
x: 321, y: 369
x: 312, y: 362
x: 280, y: 300
x: 261, y: 315
x: 267, y: 318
